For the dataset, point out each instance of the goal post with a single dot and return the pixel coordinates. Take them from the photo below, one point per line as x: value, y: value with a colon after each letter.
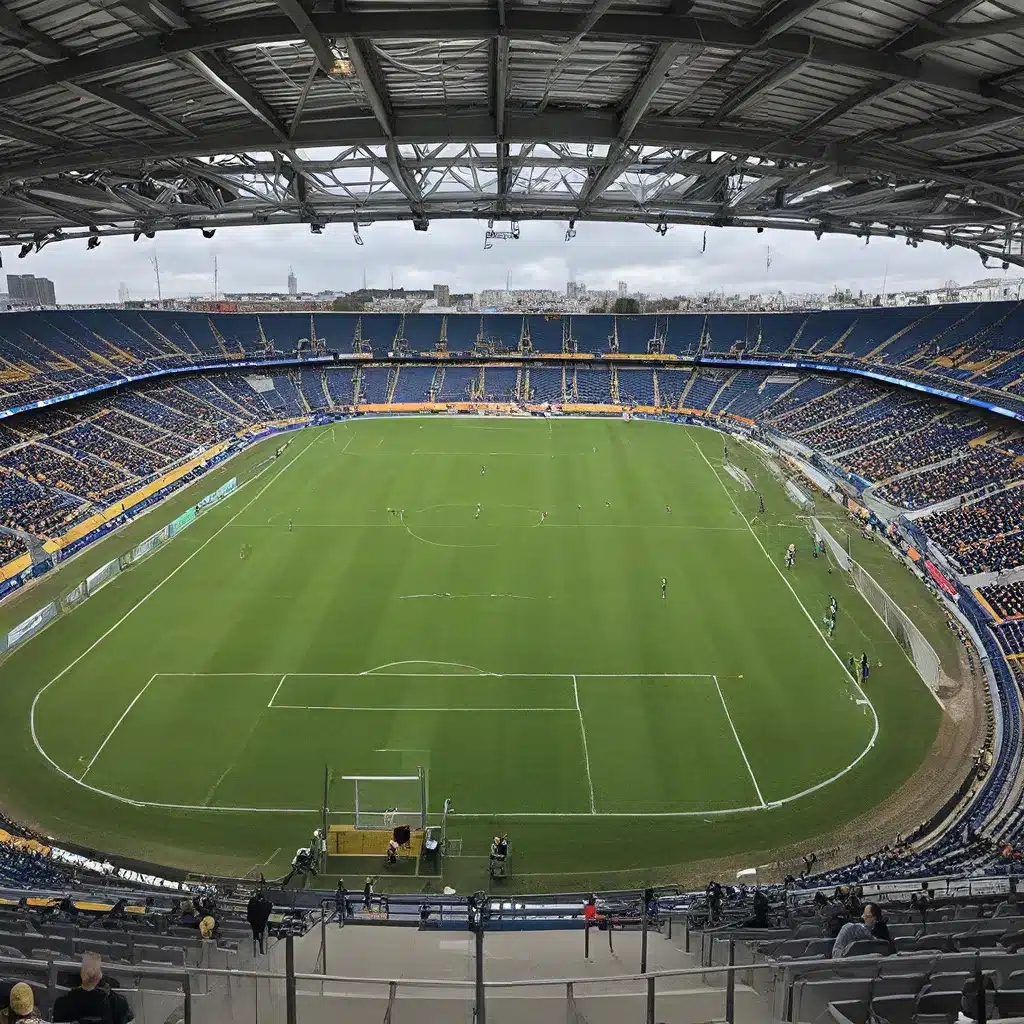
x: 383, y: 801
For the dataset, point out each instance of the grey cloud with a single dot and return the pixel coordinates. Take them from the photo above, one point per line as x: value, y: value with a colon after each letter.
x: 257, y: 259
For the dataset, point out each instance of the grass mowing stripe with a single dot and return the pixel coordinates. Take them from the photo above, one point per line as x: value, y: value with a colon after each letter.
x: 138, y: 604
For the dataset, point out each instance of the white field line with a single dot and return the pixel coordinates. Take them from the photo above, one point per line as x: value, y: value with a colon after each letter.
x: 810, y: 618
x: 138, y: 604
x: 278, y: 690
x: 338, y: 707
x: 124, y: 715
x: 586, y: 753
x: 216, y: 785
x: 444, y: 675
x: 736, y: 736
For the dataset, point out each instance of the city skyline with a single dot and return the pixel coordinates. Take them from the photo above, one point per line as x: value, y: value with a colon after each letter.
x: 603, y: 256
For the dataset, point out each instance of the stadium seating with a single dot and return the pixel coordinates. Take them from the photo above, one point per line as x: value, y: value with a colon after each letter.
x: 985, y: 535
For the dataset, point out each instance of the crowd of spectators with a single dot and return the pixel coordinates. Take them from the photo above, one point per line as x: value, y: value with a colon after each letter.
x: 981, y: 467
x: 985, y: 535
x: 81, y: 476
x: 1005, y: 599
x: 912, y: 449
x: 839, y: 401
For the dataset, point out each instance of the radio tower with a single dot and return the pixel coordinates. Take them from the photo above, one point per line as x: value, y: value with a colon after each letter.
x: 155, y: 260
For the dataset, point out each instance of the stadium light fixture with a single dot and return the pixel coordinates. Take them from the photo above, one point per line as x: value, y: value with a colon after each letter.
x: 208, y: 232
x: 93, y: 243
x: 570, y: 233
x: 356, y: 237
x: 25, y: 250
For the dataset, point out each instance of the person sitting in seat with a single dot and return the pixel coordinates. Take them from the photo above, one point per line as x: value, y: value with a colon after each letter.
x: 93, y: 999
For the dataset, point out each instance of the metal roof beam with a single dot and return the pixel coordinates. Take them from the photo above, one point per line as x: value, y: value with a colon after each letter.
x: 874, y: 91
x: 159, y: 13
x: 940, y: 129
x: 784, y: 16
x: 37, y: 42
x: 317, y: 42
x: 227, y: 80
x: 643, y: 93
x: 372, y: 81
x: 13, y: 128
x: 368, y: 75
x: 932, y: 35
x: 758, y: 86
x: 522, y: 23
x: 117, y: 99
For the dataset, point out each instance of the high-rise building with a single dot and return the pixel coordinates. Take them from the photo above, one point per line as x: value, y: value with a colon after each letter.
x: 623, y: 289
x: 29, y: 290
x: 441, y: 294
x: 293, y: 283
x: 122, y: 293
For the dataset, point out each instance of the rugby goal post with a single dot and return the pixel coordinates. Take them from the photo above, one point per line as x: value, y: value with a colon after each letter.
x: 383, y: 801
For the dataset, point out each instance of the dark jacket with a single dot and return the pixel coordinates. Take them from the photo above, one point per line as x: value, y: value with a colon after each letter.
x: 99, y: 1004
x: 258, y: 913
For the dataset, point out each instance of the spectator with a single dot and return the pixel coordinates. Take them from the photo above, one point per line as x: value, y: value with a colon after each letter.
x: 93, y: 999
x: 341, y: 903
x: 257, y: 913
x: 875, y: 922
x: 21, y: 1006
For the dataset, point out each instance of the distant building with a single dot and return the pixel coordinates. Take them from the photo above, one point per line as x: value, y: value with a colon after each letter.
x: 122, y: 293
x: 441, y: 295
x: 293, y: 283
x: 623, y: 289
x: 29, y: 290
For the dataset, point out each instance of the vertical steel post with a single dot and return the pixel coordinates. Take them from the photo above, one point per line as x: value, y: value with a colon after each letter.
x: 686, y: 934
x: 586, y: 940
x: 730, y: 985
x: 186, y: 984
x: 423, y: 796
x: 643, y: 940
x: 481, y: 1010
x: 289, y: 981
x: 323, y: 933
x: 650, y: 1001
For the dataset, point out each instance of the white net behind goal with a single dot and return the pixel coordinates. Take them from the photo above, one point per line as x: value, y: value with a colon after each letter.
x: 839, y: 554
x: 384, y: 801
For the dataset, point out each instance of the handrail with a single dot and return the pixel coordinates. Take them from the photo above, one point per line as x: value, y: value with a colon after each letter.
x: 838, y: 966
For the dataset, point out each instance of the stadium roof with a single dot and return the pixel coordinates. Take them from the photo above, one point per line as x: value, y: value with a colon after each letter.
x: 138, y: 116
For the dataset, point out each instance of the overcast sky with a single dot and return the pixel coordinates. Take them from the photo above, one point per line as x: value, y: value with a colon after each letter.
x: 257, y: 259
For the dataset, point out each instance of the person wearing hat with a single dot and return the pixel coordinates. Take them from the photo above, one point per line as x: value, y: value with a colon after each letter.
x: 21, y: 1005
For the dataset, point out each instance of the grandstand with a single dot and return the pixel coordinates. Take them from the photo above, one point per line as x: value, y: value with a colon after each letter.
x: 939, y: 475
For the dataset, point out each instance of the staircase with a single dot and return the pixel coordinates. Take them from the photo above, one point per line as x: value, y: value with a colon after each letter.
x: 526, y: 385
x: 519, y: 383
x: 482, y: 384
x: 357, y: 385
x: 575, y: 396
x: 296, y: 379
x: 615, y: 386
x: 245, y: 413
x: 328, y: 401
x: 718, y: 393
x: 392, y: 383
x: 657, y: 392
x: 565, y: 393
x: 436, y: 383
x: 681, y: 404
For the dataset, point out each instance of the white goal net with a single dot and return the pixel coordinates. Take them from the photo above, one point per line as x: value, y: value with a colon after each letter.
x: 384, y: 801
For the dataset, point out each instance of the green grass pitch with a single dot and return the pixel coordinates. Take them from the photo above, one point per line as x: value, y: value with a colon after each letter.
x: 483, y: 598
